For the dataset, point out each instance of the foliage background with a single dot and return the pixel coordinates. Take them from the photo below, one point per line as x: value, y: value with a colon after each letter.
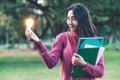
x: 50, y: 18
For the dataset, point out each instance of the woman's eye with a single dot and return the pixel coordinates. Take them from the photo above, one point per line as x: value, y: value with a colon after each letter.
x: 71, y: 19
x: 67, y: 18
x: 74, y: 18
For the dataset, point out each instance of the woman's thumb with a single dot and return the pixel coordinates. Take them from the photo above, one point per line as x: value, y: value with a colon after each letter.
x: 76, y: 55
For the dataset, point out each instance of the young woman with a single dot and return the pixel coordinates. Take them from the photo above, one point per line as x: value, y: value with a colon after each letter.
x: 80, y: 25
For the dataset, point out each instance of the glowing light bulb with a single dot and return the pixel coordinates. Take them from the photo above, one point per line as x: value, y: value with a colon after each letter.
x: 29, y: 22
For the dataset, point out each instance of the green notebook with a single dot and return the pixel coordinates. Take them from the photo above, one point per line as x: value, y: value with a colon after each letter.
x: 89, y: 55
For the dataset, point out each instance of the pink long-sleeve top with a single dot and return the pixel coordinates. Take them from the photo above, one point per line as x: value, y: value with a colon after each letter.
x: 63, y: 49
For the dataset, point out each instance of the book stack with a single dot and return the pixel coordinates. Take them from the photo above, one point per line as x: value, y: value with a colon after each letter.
x: 91, y: 50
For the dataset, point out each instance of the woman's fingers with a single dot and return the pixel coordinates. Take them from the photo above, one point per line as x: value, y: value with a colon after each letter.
x: 28, y: 34
x: 73, y: 60
x: 78, y: 60
x: 76, y: 55
x: 31, y: 36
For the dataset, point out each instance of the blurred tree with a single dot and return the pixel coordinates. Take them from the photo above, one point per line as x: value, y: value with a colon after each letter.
x: 105, y: 15
x: 50, y: 16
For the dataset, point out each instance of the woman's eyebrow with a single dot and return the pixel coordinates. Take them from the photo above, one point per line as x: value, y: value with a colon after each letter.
x: 71, y: 17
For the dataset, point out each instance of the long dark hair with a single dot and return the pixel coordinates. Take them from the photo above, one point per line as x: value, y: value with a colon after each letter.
x: 86, y: 27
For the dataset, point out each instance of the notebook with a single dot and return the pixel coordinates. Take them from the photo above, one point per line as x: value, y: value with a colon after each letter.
x: 89, y: 54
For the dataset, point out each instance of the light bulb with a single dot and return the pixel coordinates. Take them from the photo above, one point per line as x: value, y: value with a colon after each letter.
x: 29, y: 23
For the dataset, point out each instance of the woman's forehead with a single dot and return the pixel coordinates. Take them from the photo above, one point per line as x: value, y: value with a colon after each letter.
x: 70, y: 13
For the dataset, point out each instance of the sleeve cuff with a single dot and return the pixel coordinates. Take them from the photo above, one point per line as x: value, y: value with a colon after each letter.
x: 85, y: 67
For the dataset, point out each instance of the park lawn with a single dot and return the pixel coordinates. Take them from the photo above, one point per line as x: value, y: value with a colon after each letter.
x: 112, y: 65
x: 27, y: 65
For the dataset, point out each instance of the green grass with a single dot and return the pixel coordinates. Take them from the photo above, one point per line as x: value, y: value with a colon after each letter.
x: 112, y: 65
x: 27, y: 65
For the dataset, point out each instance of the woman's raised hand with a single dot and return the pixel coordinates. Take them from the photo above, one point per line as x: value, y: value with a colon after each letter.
x: 31, y: 35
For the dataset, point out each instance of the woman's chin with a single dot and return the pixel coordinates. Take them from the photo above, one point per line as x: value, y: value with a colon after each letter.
x: 73, y: 29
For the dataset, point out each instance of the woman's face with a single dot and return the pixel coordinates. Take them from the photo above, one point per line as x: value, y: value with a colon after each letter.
x: 72, y: 21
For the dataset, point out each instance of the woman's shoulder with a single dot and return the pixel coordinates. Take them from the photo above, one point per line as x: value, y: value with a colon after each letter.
x: 62, y: 37
x: 63, y: 34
